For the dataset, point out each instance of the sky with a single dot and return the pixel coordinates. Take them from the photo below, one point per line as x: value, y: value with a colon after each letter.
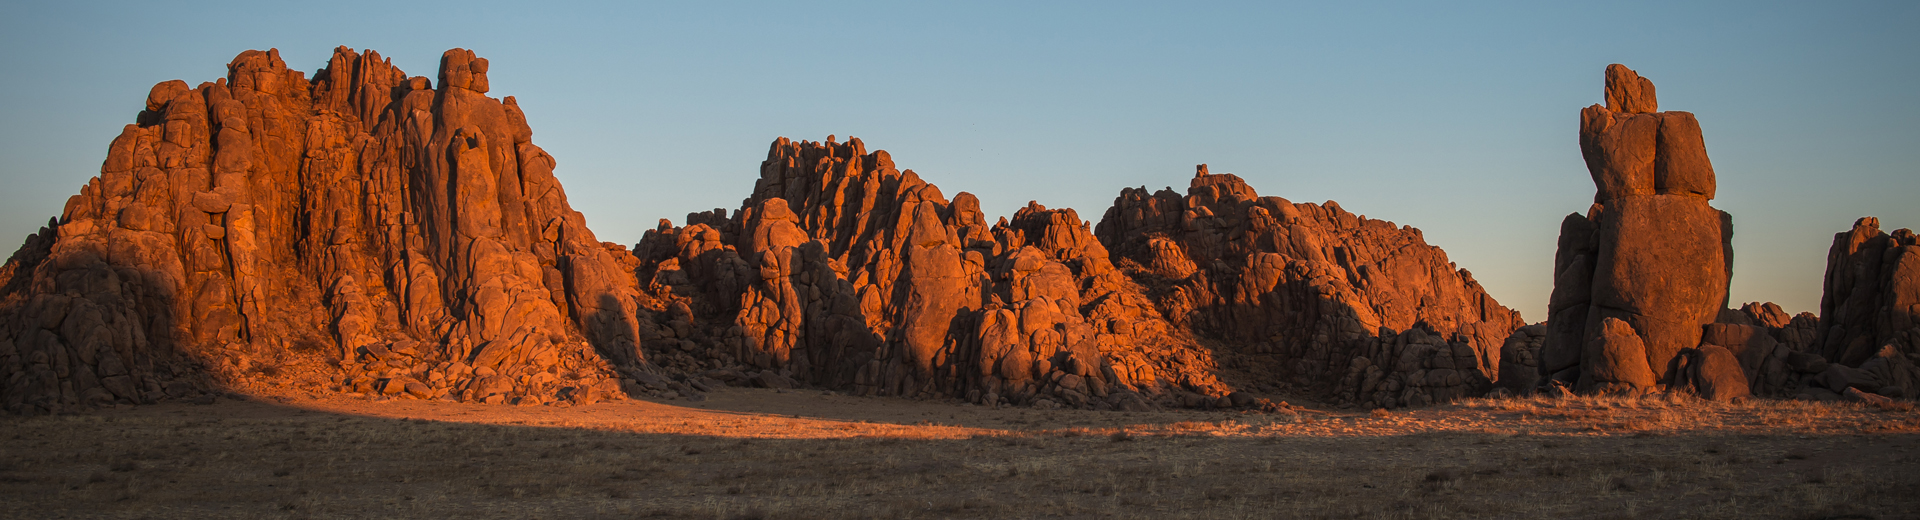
x: 1460, y: 120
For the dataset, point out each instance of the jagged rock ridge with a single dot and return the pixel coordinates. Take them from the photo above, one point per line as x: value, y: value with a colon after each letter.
x: 1309, y: 294
x: 264, y: 227
x: 843, y: 271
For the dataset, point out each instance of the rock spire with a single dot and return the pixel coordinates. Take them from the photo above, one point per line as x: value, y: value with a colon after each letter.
x: 1650, y: 259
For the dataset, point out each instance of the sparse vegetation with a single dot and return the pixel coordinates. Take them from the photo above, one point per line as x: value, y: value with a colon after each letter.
x: 830, y: 456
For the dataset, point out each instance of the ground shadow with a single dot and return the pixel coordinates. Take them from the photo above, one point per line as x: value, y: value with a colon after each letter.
x: 263, y: 458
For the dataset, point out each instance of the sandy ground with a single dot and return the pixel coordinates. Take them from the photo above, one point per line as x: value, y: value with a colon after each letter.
x: 754, y: 453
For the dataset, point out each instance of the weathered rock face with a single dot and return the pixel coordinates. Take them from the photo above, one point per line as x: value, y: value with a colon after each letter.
x: 1871, y: 295
x: 1650, y: 252
x: 1710, y: 371
x: 1868, y: 335
x: 845, y: 272
x: 267, y: 225
x: 1310, y: 294
x: 1777, y: 354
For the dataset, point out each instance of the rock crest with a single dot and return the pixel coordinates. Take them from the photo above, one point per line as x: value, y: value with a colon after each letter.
x: 845, y: 272
x: 1311, y: 295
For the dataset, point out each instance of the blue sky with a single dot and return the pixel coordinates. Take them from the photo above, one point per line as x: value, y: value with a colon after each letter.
x: 1456, y: 119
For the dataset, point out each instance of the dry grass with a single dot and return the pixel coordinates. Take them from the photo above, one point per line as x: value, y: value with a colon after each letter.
x: 865, y: 458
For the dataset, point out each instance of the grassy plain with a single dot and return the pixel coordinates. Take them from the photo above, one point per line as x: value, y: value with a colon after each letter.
x: 745, y: 454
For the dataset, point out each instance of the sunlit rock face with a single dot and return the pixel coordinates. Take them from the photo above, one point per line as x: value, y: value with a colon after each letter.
x: 845, y: 272
x: 1312, y: 297
x: 1651, y: 257
x: 363, y: 231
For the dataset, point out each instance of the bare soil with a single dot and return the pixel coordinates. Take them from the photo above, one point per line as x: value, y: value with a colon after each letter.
x: 751, y: 453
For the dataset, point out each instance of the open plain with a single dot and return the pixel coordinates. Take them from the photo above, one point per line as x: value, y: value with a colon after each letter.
x: 762, y: 453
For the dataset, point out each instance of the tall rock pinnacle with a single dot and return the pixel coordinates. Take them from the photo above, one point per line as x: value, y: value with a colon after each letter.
x: 362, y: 230
x: 1650, y: 257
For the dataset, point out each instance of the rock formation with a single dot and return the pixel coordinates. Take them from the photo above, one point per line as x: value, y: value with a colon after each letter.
x: 845, y: 272
x: 1357, y: 309
x: 1650, y: 253
x: 363, y: 231
x: 1869, y: 329
x: 1871, y: 293
x: 1764, y: 341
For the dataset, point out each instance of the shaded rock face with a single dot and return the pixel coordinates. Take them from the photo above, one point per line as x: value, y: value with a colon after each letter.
x: 1768, y: 346
x: 1868, y: 337
x: 1871, y: 294
x: 267, y: 226
x: 845, y: 272
x: 1710, y: 371
x: 1311, y: 295
x: 1650, y: 252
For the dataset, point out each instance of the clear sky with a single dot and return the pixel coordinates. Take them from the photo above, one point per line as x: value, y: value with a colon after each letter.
x: 1456, y: 119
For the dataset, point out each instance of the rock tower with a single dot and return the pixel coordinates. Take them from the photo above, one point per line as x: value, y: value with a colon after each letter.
x: 1638, y: 276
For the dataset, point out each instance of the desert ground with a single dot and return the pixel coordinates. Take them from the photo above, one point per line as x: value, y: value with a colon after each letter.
x: 763, y: 453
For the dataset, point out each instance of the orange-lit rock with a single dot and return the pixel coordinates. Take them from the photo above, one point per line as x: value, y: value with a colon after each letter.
x: 1310, y: 295
x: 1651, y: 252
x: 358, y: 231
x: 845, y: 272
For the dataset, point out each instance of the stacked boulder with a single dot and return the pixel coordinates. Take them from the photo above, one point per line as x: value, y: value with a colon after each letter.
x: 845, y: 272
x: 1310, y: 295
x: 1640, y: 282
x: 1773, y: 351
x: 363, y: 231
x: 1646, y: 268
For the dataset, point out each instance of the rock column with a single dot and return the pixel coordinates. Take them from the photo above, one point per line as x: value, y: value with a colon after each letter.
x: 1650, y: 253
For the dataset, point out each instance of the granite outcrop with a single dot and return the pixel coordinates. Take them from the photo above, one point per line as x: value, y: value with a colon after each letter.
x: 1650, y: 257
x: 1304, y: 297
x: 362, y: 231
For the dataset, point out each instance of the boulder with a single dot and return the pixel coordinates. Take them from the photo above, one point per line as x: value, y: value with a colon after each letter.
x: 1519, y: 360
x: 1616, y: 361
x: 1711, y: 372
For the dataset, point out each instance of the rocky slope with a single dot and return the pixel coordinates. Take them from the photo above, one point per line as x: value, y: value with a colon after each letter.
x: 845, y: 272
x: 363, y: 231
x: 1312, y: 295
